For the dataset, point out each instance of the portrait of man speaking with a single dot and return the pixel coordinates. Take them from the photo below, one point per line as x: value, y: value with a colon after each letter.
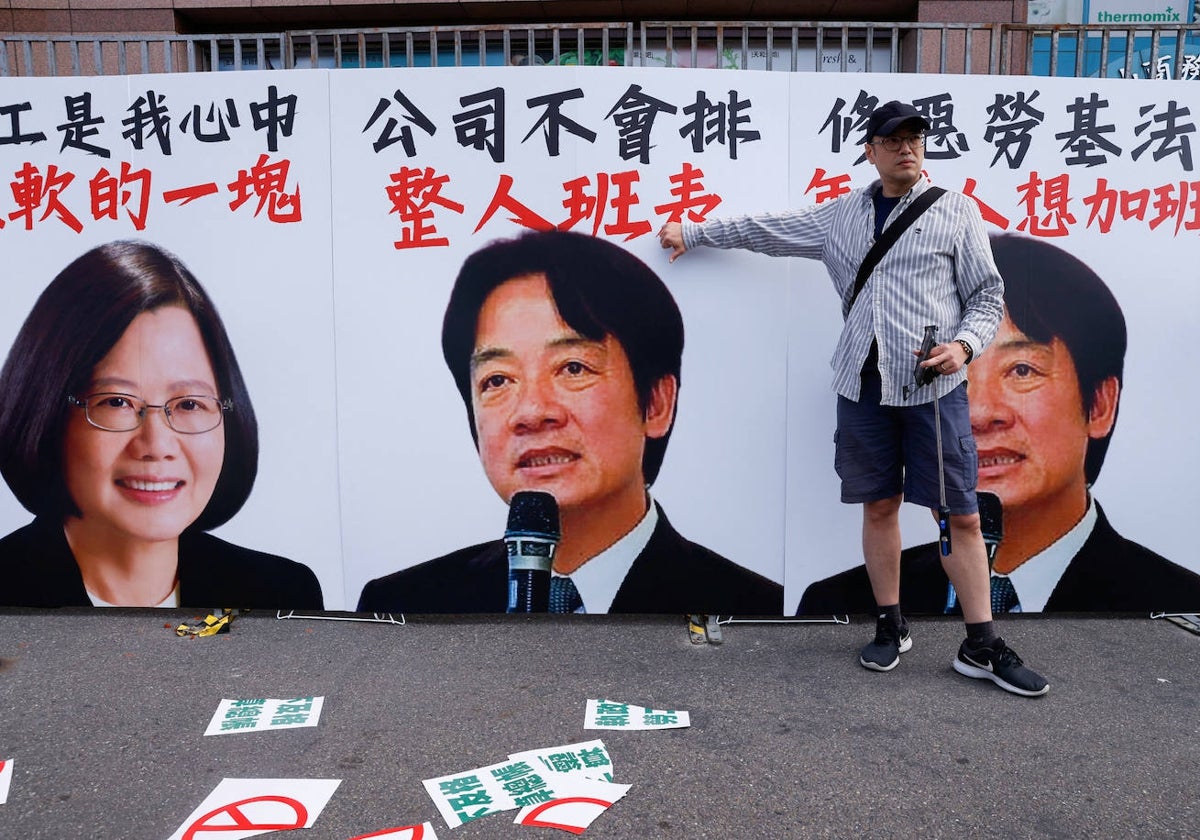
x: 1044, y: 405
x: 567, y: 353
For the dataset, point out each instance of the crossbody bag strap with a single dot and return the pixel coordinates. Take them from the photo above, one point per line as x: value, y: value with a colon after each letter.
x: 889, y: 237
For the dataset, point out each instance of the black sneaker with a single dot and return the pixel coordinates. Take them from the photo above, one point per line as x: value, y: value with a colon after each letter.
x: 883, y: 654
x: 999, y: 663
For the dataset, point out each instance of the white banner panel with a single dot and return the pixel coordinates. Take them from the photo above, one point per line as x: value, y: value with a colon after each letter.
x: 231, y: 174
x: 1099, y: 169
x: 585, y: 150
x: 328, y: 213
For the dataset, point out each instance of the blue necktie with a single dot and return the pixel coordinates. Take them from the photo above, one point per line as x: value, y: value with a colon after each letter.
x: 1004, y: 595
x: 564, y: 597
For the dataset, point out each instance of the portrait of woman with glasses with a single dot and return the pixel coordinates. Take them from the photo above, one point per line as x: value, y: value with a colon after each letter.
x: 127, y: 431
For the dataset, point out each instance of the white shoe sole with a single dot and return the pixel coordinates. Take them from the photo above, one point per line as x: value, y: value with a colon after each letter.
x: 983, y: 674
x: 905, y: 647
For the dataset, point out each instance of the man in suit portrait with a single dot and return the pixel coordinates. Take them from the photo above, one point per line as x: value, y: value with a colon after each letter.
x: 567, y: 351
x: 1043, y: 404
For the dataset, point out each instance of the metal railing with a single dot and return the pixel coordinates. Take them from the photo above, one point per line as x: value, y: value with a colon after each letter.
x: 1159, y: 51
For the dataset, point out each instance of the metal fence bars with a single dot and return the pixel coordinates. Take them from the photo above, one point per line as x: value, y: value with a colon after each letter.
x: 1159, y: 51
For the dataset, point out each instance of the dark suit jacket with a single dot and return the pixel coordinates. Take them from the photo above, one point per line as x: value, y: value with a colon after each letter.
x: 37, y: 569
x: 671, y: 575
x: 1108, y: 574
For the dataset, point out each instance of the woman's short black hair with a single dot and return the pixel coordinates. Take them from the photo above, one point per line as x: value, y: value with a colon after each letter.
x: 73, y: 325
x: 1050, y: 294
x: 599, y: 289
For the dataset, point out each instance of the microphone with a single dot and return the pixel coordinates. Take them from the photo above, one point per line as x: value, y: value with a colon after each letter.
x: 531, y: 537
x: 991, y: 522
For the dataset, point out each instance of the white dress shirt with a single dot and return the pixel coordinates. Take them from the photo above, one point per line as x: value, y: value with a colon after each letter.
x: 599, y: 578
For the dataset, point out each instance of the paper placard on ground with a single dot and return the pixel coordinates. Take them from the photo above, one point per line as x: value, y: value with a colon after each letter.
x: 424, y: 831
x: 471, y: 794
x: 610, y: 714
x: 579, y: 802
x: 588, y: 759
x: 239, y: 808
x: 257, y: 715
x: 6, y: 772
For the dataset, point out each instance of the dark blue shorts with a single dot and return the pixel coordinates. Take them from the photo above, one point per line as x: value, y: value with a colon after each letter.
x: 881, y: 451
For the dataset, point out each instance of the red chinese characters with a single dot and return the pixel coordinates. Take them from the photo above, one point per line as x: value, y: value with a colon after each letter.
x: 608, y: 200
x: 413, y: 195
x: 34, y: 191
x: 41, y: 194
x: 130, y: 190
x: 827, y: 187
x: 1046, y: 205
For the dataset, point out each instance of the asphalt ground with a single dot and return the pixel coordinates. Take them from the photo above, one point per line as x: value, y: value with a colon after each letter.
x: 103, y: 713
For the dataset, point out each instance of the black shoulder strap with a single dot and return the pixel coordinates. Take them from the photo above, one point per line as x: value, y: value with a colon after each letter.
x: 889, y: 237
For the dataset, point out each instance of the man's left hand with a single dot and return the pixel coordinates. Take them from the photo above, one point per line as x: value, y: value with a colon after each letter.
x: 945, y: 358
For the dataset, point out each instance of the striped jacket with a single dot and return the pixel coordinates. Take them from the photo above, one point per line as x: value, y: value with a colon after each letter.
x: 940, y: 271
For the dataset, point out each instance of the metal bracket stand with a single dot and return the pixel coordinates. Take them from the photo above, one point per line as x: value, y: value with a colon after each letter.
x: 833, y: 619
x: 1188, y: 621
x: 379, y: 618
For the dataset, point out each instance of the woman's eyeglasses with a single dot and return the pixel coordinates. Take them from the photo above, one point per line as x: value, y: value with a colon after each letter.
x: 188, y: 415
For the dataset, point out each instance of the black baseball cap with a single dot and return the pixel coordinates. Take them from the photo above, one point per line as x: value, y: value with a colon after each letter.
x: 889, y: 116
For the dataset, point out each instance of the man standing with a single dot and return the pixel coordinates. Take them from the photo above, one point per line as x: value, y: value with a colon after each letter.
x: 939, y: 271
x: 1044, y: 405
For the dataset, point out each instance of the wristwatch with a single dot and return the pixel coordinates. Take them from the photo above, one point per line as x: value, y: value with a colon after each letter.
x: 967, y: 347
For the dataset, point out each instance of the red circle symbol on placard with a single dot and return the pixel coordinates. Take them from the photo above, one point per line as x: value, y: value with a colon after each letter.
x: 414, y: 832
x: 241, y: 822
x: 537, y: 816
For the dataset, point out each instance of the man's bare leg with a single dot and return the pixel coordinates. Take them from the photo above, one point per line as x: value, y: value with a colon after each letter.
x: 984, y: 655
x: 967, y: 568
x: 881, y: 548
x: 881, y: 552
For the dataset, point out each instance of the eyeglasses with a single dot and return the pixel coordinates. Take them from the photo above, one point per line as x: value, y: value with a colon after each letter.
x: 893, y: 143
x: 188, y: 415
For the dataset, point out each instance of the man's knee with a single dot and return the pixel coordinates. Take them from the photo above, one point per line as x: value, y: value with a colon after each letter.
x: 965, y: 523
x: 882, y: 510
